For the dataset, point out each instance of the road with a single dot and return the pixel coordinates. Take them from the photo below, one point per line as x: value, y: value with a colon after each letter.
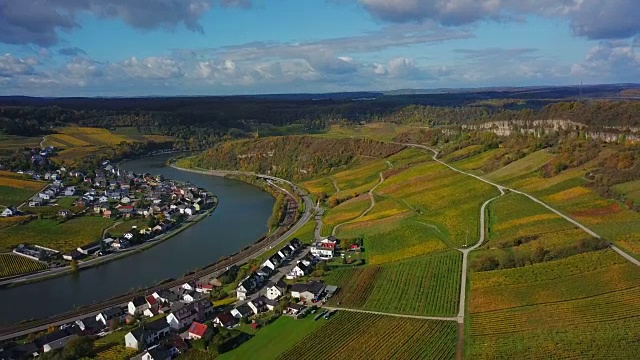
x: 239, y: 259
x: 389, y: 314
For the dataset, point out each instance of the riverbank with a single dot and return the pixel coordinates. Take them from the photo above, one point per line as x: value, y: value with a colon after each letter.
x: 67, y: 270
x: 239, y: 258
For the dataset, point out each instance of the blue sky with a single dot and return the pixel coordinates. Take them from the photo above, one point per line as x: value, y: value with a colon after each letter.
x: 220, y: 47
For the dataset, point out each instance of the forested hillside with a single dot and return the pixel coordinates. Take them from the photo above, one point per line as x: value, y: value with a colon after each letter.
x: 291, y: 157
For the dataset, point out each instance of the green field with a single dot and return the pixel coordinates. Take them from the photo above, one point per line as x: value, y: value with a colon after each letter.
x: 348, y: 335
x: 12, y: 264
x: 423, y: 286
x: 629, y: 189
x: 16, y: 188
x: 63, y: 237
x: 18, y: 142
x: 275, y: 338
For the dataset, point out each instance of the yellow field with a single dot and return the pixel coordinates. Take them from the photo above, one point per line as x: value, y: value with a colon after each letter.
x: 320, y: 186
x: 344, y: 212
x: 21, y: 183
x: 6, y: 222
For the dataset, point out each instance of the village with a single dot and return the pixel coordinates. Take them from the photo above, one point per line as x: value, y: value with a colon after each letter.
x: 167, y: 323
x: 152, y: 205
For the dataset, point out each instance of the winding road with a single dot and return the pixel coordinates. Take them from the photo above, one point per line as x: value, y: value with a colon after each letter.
x: 371, y: 197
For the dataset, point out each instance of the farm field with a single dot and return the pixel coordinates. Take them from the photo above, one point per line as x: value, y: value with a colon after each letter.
x: 358, y: 180
x: 629, y: 189
x: 412, y: 238
x: 514, y: 218
x: 442, y: 197
x: 320, y: 186
x: 79, y: 142
x: 577, y: 307
x: 386, y: 337
x: 12, y: 264
x: 275, y: 339
x: 111, y: 347
x: 6, y: 222
x: 15, y: 188
x: 377, y: 131
x: 18, y: 142
x: 347, y: 211
x: 63, y: 237
x: 422, y: 286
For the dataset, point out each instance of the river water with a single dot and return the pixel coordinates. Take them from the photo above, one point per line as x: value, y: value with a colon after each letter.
x: 239, y: 220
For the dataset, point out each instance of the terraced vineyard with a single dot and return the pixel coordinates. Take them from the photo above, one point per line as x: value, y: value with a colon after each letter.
x: 12, y: 264
x: 344, y: 212
x: 343, y: 336
x: 423, y: 286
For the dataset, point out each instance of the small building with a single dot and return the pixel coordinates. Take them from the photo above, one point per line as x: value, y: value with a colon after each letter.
x: 242, y: 311
x: 137, y: 306
x: 324, y: 249
x: 90, y: 248
x: 9, y: 212
x: 56, y: 340
x: 276, y: 290
x: 182, y: 318
x: 197, y: 330
x: 156, y: 353
x: 225, y: 320
x: 146, y: 335
x: 115, y: 315
x: 73, y: 255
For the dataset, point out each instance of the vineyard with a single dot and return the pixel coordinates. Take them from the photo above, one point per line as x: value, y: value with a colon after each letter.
x: 421, y: 286
x: 63, y: 237
x: 12, y: 264
x: 441, y: 196
x: 320, y: 186
x: 409, y: 239
x: 553, y: 306
x: 344, y: 212
x: 344, y: 337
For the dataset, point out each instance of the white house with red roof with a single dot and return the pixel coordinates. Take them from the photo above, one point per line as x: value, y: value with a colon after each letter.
x: 197, y: 330
x: 324, y: 249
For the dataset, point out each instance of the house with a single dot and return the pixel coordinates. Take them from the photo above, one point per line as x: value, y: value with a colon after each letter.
x: 225, y: 320
x: 204, y: 288
x: 147, y: 334
x: 73, y: 255
x: 125, y: 200
x: 296, y: 244
x: 90, y: 248
x: 64, y: 213
x: 324, y: 249
x: 190, y: 211
x: 271, y: 304
x: 151, y: 301
x: 190, y: 285
x: 264, y: 272
x: 137, y: 306
x: 10, y: 211
x: 242, y: 311
x: 285, y: 252
x: 247, y: 286
x: 165, y: 296
x: 307, y: 292
x: 120, y: 244
x: 299, y: 270
x: 114, y: 315
x: 204, y: 309
x: 103, y: 200
x: 273, y: 262
x: 56, y: 340
x: 35, y: 201
x: 90, y: 326
x: 125, y: 209
x: 182, y: 318
x: 197, y: 330
x: 294, y: 309
x: 70, y: 191
x: 276, y: 290
x: 106, y: 214
x: 258, y: 305
x: 156, y: 353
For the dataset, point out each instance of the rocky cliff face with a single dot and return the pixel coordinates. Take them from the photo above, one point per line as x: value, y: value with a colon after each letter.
x: 539, y: 127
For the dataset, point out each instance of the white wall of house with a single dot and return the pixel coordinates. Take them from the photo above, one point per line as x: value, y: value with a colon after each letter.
x: 273, y: 293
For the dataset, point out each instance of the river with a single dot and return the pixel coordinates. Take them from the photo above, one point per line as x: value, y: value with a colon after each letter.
x: 239, y: 220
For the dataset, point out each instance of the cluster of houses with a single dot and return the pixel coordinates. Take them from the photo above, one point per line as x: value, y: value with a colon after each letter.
x: 258, y: 278
x: 112, y: 192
